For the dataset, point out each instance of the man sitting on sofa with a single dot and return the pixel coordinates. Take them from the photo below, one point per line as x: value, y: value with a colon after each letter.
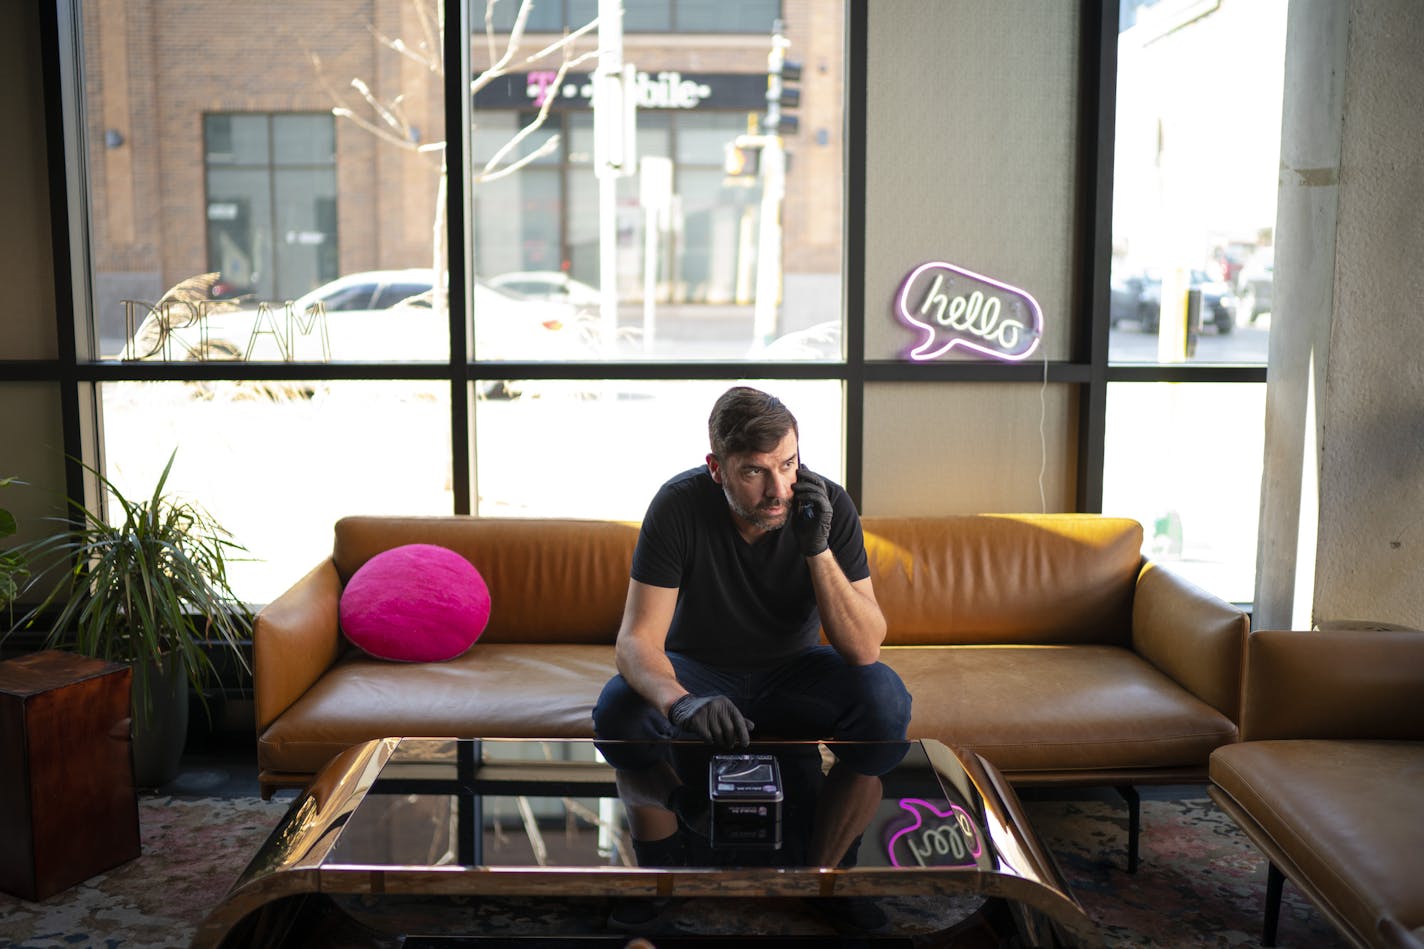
x: 739, y: 564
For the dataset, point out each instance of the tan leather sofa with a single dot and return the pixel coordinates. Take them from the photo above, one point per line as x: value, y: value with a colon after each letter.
x: 1046, y: 643
x: 1328, y: 780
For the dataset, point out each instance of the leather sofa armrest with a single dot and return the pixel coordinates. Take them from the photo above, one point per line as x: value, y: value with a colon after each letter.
x: 1193, y: 636
x: 295, y: 639
x: 1334, y: 684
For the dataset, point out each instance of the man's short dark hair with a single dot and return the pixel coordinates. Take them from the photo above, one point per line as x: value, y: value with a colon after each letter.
x: 748, y: 420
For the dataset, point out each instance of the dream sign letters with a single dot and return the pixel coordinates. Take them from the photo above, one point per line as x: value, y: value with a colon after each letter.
x: 956, y: 307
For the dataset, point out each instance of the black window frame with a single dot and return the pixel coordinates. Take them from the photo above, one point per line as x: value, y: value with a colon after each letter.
x: 1087, y: 369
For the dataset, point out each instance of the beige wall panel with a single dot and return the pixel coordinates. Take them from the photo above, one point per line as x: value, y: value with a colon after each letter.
x: 971, y: 113
x: 32, y: 444
x: 1371, y: 538
x: 968, y: 448
x: 26, y: 271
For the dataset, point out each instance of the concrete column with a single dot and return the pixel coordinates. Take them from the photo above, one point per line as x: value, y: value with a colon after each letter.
x: 1345, y: 407
x: 1370, y: 552
x: 1312, y: 116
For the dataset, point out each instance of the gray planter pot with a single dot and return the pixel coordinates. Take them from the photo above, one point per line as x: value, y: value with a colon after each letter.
x: 160, y: 729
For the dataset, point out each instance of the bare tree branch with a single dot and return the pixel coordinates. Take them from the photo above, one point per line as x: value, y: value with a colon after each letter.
x: 421, y: 56
x: 489, y: 30
x: 564, y: 41
x: 381, y: 132
x: 379, y: 108
x: 534, y: 124
x: 545, y: 148
x: 327, y: 87
x: 516, y: 33
x: 396, y: 128
x: 434, y: 29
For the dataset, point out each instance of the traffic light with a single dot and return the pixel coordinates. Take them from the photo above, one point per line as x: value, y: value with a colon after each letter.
x: 742, y: 160
x: 781, y: 95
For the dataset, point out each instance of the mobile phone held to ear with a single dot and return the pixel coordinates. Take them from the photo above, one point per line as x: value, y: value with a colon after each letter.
x: 806, y: 512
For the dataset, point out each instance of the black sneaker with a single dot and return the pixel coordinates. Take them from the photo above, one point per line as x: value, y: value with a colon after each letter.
x: 851, y: 915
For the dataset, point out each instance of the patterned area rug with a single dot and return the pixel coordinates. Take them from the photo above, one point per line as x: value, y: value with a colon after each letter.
x: 191, y: 851
x: 1200, y: 882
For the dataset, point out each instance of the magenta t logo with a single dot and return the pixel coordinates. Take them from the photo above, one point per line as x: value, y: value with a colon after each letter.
x: 540, y: 85
x: 952, y: 307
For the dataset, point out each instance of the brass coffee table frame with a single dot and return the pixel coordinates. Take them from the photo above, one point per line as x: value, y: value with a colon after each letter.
x: 297, y: 858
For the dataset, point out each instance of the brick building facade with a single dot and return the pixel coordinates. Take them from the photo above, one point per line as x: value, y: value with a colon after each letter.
x: 154, y: 69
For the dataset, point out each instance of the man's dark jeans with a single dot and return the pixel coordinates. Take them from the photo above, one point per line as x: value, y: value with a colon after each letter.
x: 815, y: 694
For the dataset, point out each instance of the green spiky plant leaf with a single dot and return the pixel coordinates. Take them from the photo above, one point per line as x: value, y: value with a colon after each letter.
x: 152, y: 586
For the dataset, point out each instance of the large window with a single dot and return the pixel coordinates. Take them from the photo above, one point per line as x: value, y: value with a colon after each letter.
x: 286, y: 251
x: 406, y: 267
x: 1184, y: 460
x: 1194, y: 192
x: 1194, y: 211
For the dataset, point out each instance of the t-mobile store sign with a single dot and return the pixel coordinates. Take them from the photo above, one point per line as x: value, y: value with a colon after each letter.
x: 661, y: 90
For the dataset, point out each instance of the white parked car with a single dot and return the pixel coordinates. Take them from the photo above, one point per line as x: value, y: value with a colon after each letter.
x: 372, y: 316
x: 821, y: 343
x: 553, y: 285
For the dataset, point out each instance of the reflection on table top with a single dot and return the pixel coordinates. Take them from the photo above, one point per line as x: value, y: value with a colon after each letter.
x: 551, y: 817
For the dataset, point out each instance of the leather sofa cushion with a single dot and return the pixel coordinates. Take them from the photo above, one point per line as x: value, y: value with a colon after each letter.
x: 1025, y: 708
x: 1057, y: 708
x: 1349, y: 814
x: 496, y: 690
x: 1051, y: 578
x: 998, y: 578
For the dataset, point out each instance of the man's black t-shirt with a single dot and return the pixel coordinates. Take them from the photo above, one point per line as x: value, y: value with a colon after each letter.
x: 739, y: 605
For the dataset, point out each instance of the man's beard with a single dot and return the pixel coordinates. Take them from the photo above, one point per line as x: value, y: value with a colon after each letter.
x: 757, y: 516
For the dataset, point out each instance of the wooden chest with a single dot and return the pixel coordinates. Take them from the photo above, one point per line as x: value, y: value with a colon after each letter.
x: 67, y: 805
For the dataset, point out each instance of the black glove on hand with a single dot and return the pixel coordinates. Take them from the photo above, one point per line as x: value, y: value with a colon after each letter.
x: 714, y: 717
x: 811, y: 515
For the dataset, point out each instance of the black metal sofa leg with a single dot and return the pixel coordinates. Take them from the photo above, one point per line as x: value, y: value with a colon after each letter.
x: 1134, y: 822
x: 1275, y: 882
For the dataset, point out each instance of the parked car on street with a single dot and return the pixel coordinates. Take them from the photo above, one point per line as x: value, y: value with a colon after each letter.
x: 552, y: 285
x: 1138, y: 298
x: 821, y: 342
x: 371, y: 316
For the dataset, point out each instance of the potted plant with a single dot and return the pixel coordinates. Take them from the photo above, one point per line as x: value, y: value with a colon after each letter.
x: 150, y: 590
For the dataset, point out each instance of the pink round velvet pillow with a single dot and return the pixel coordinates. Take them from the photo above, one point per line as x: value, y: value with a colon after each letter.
x: 416, y: 603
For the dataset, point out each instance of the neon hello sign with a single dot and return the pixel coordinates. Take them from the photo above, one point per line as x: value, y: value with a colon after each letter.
x: 939, y: 836
x: 957, y: 307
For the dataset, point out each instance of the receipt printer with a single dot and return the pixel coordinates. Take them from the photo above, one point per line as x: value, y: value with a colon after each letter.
x: 745, y: 791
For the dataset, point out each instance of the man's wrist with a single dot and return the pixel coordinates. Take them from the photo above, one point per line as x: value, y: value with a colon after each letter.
x: 672, y: 710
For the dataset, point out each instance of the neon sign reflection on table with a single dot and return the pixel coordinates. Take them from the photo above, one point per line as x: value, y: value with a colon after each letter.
x: 957, y: 307
x: 950, y: 833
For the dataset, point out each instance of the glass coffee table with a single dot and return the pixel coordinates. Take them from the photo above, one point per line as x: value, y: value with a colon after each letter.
x: 414, y: 842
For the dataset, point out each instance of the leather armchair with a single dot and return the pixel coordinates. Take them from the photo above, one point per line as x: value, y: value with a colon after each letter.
x: 1328, y: 780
